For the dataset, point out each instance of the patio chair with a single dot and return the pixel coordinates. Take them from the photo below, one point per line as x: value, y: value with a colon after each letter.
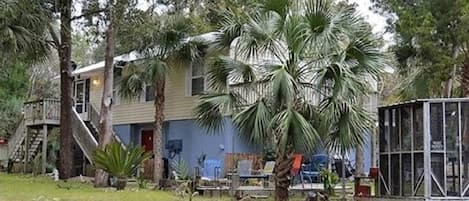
x: 212, y: 170
x: 311, y: 171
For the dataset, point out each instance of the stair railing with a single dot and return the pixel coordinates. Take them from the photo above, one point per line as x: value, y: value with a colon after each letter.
x: 94, y: 117
x: 14, y: 143
x: 83, y: 136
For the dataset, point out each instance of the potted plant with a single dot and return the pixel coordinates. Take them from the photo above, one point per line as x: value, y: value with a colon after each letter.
x: 120, y: 162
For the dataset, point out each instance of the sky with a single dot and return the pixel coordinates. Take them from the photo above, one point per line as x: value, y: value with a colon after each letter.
x: 377, y: 21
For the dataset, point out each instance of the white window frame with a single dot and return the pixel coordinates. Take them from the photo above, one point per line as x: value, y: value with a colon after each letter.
x: 190, y: 77
x: 143, y: 96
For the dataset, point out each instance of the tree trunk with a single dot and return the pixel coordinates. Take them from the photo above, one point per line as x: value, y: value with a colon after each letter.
x: 158, y: 130
x: 66, y: 82
x: 465, y: 78
x: 359, y: 160
x: 105, y: 120
x: 282, y: 168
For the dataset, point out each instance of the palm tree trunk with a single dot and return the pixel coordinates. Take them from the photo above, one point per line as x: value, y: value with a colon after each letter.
x: 158, y: 130
x: 66, y: 82
x: 282, y: 168
x: 105, y: 122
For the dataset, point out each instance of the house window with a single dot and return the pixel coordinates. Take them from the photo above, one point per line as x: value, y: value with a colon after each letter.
x: 149, y: 93
x: 197, y: 81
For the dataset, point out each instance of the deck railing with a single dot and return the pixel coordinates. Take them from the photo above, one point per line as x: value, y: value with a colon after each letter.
x: 42, y: 111
x: 251, y: 93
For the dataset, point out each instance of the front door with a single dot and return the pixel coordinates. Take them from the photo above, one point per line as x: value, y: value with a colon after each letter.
x: 82, y: 96
x: 147, y: 140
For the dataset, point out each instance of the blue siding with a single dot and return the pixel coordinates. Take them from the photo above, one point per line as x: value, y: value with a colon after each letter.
x: 197, y: 141
x: 124, y: 132
x: 367, y: 152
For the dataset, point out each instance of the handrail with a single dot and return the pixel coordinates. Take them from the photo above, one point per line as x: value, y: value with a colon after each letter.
x: 15, y: 140
x: 94, y: 117
x: 83, y: 136
x: 41, y: 100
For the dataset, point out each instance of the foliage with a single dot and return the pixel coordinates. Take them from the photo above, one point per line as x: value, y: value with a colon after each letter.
x: 431, y: 45
x: 119, y: 161
x: 23, y: 30
x: 201, y: 160
x: 186, y: 191
x: 10, y: 115
x: 181, y: 169
x: 325, y: 49
x: 330, y: 180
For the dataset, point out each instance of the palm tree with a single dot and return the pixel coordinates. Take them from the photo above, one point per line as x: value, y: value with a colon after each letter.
x: 23, y: 30
x: 166, y: 44
x: 300, y: 69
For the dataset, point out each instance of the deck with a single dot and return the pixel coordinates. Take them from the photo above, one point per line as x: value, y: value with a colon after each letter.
x: 42, y: 112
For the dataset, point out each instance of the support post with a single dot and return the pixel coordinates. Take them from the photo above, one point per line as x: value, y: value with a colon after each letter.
x: 44, y: 148
x: 26, y: 149
x: 427, y: 151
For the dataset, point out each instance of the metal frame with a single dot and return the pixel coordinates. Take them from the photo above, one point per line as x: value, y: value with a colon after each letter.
x: 429, y: 176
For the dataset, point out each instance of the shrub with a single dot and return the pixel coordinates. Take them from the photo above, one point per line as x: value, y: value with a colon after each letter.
x: 120, y: 162
x: 330, y: 180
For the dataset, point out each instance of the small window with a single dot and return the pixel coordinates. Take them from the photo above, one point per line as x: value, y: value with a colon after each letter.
x: 197, y: 81
x: 149, y: 93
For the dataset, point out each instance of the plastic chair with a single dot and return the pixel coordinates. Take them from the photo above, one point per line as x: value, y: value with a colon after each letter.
x: 211, y: 170
x: 312, y: 171
x: 244, y: 167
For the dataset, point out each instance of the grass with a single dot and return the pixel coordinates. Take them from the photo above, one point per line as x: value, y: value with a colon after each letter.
x: 15, y: 187
x: 27, y: 187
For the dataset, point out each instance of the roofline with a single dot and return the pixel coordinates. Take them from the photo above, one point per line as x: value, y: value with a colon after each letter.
x: 429, y: 100
x: 131, y: 56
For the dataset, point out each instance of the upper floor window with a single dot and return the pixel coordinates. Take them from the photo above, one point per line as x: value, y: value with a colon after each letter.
x: 149, y: 93
x: 197, y: 79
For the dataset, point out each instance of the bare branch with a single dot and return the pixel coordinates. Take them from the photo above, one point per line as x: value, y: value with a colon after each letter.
x: 89, y: 14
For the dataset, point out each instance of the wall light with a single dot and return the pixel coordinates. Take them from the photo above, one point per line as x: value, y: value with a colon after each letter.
x: 96, y: 82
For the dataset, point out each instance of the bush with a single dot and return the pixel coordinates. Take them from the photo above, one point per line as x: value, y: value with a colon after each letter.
x: 120, y: 162
x: 330, y: 180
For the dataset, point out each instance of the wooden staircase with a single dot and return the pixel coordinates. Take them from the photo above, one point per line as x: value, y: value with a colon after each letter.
x: 43, y: 114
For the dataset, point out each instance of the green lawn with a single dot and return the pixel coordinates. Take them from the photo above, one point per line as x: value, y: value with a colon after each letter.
x: 25, y: 188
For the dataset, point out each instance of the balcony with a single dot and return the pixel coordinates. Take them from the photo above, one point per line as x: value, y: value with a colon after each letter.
x: 40, y: 112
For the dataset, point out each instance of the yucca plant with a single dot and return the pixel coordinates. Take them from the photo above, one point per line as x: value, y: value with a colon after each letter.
x: 120, y: 162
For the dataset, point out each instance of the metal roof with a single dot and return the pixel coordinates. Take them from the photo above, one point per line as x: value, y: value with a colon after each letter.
x: 431, y: 100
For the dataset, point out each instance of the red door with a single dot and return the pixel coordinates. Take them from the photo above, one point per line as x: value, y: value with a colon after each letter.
x: 147, y: 140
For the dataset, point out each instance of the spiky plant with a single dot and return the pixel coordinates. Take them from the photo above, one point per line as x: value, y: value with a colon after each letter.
x: 120, y: 162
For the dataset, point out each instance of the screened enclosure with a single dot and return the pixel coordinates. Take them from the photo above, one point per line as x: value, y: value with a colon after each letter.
x: 424, y: 149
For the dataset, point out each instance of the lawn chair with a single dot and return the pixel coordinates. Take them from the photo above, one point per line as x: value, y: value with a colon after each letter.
x: 211, y: 171
x: 311, y: 171
x: 244, y: 168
